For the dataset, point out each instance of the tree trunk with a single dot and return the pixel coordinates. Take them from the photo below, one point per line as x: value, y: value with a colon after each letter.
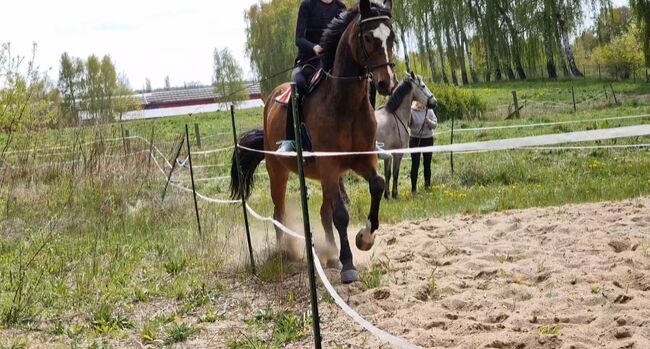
x: 514, y: 37
x: 548, y: 50
x: 406, y: 51
x: 460, y: 51
x: 466, y: 43
x: 565, y: 42
x: 427, y: 45
x: 441, y: 51
x: 451, y: 54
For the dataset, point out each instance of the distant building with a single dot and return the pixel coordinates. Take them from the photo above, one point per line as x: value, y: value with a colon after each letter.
x: 188, y: 101
x: 189, y: 97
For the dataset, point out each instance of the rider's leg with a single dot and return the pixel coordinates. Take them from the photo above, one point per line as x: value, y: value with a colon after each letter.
x: 288, y: 145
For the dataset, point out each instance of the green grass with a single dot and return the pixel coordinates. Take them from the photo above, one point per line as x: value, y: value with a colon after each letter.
x: 95, y: 256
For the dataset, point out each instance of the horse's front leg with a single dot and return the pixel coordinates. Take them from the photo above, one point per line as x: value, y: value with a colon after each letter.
x: 333, y: 203
x: 397, y: 162
x: 368, y: 169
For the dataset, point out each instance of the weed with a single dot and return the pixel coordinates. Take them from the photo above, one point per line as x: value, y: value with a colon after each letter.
x: 174, y: 267
x: 596, y: 289
x: 103, y: 320
x: 180, y: 332
x: 551, y: 330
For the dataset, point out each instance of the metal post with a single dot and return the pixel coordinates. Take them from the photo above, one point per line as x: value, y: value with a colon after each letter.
x: 599, y: 76
x: 189, y: 156
x: 197, y: 134
x: 514, y: 98
x: 606, y: 94
x: 305, y: 218
x: 150, y: 148
x: 169, y: 177
x: 127, y: 141
x: 241, y: 190
x: 452, y: 142
x: 573, y: 95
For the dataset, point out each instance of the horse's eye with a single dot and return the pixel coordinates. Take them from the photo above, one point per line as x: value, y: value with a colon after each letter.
x: 367, y: 38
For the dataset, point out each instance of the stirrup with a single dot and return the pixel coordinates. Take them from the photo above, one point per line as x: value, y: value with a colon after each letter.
x: 286, y: 146
x: 382, y: 154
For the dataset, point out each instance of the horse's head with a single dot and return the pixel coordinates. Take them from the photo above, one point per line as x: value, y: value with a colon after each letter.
x: 421, y: 92
x: 373, y: 48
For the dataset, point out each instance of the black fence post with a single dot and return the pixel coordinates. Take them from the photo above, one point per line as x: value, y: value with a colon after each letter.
x: 305, y: 217
x: 573, y: 95
x: 171, y: 171
x: 241, y: 189
x: 189, y: 157
x: 452, y: 142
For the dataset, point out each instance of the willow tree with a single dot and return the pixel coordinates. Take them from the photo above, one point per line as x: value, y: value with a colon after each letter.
x: 270, y: 40
x: 642, y: 11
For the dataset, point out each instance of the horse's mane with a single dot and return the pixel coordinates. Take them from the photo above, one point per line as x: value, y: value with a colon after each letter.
x: 332, y: 35
x: 396, y: 99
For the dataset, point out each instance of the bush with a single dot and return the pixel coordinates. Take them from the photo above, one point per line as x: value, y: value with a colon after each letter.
x: 457, y: 103
x: 623, y: 54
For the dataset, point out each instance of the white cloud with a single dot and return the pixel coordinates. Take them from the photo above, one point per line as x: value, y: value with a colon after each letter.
x: 145, y: 38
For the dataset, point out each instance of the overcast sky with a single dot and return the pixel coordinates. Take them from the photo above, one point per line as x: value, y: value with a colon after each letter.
x: 145, y: 38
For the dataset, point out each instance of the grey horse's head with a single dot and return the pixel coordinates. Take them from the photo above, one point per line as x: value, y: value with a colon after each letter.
x: 421, y: 92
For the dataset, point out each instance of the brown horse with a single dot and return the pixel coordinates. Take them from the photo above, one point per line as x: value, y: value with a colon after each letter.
x: 339, y: 118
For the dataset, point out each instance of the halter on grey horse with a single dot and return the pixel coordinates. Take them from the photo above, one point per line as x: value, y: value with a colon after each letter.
x: 393, y: 121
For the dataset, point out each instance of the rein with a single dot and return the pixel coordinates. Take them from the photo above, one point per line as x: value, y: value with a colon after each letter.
x: 399, y: 132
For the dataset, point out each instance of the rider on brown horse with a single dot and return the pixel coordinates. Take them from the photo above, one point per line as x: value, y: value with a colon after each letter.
x: 313, y: 18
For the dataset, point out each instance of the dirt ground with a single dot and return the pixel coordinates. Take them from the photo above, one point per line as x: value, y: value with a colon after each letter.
x: 576, y: 276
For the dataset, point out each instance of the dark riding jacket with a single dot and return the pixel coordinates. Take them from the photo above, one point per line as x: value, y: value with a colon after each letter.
x: 313, y: 18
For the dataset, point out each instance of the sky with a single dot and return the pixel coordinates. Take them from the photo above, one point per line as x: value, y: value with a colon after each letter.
x: 145, y: 38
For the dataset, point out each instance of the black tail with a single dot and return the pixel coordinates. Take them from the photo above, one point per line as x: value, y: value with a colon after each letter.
x: 249, y: 160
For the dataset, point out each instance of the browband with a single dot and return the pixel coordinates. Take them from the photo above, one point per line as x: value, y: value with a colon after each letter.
x: 377, y: 18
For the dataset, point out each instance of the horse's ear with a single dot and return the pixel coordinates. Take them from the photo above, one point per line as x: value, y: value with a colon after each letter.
x: 388, y: 5
x: 364, y: 7
x: 413, y: 75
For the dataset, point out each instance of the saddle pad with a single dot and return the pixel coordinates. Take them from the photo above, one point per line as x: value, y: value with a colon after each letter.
x: 284, y: 97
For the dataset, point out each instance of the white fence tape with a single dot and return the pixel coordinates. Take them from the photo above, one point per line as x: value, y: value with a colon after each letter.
x: 501, y: 144
x: 207, y: 152
x: 489, y: 128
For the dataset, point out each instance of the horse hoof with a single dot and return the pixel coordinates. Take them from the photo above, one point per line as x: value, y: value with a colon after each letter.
x: 365, y: 239
x: 334, y: 264
x: 349, y: 276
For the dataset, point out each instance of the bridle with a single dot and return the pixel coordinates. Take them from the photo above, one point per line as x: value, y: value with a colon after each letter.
x: 366, y: 57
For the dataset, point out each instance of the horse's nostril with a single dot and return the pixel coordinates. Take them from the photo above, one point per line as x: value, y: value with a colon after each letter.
x: 382, y: 86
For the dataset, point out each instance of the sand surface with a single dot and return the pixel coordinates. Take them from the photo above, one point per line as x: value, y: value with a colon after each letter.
x: 576, y: 276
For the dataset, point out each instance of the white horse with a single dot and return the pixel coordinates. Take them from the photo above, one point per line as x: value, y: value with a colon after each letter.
x: 393, y: 123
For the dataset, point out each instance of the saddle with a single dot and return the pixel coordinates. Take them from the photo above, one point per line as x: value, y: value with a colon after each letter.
x: 285, y: 97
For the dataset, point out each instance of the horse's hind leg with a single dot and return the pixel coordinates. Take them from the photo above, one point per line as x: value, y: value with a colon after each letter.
x: 397, y: 161
x: 327, y: 217
x: 279, y: 177
x: 344, y: 193
x: 387, y: 173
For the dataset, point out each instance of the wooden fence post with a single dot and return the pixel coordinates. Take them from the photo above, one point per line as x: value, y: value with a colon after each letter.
x: 514, y: 98
x: 197, y: 134
x: 613, y: 93
x: 573, y: 94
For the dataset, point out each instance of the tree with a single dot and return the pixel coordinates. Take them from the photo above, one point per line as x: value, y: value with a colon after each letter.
x: 109, y: 86
x: 26, y: 98
x: 168, y: 85
x: 623, y: 54
x: 147, y: 85
x: 125, y: 100
x: 71, y: 87
x: 270, y: 40
x: 227, y: 78
x: 642, y: 11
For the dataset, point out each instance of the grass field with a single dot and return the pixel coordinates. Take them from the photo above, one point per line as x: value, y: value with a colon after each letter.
x: 91, y: 257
